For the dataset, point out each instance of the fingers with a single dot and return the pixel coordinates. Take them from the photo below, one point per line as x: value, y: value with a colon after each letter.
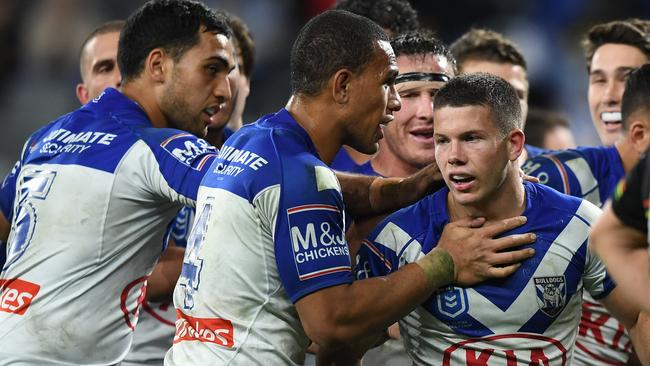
x: 530, y: 178
x: 512, y: 241
x: 499, y: 272
x: 512, y: 257
x: 497, y: 227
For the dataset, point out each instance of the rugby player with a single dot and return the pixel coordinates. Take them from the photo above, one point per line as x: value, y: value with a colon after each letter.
x: 267, y: 266
x: 531, y: 316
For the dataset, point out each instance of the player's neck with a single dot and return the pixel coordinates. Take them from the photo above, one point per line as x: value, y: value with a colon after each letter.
x: 317, y: 119
x: 144, y: 97
x: 629, y: 156
x: 508, y: 200
x: 388, y: 164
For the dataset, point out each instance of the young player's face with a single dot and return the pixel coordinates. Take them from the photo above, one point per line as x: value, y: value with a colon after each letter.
x: 373, y: 100
x: 99, y: 66
x: 410, y: 136
x: 610, y: 67
x: 239, y: 90
x: 198, y: 85
x: 471, y: 153
x: 513, y: 74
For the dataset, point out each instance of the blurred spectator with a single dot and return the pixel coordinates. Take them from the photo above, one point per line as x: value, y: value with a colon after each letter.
x: 548, y: 130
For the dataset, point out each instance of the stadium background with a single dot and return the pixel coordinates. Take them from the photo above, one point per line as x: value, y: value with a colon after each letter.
x: 40, y: 40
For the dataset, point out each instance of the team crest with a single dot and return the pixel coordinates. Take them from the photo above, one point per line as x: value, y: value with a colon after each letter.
x: 451, y: 301
x: 551, y: 294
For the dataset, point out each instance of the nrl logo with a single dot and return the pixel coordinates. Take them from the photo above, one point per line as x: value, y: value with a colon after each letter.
x: 452, y: 301
x: 551, y: 294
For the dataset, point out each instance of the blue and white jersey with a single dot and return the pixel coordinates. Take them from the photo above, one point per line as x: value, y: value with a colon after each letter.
x: 590, y: 173
x: 529, y: 317
x: 157, y: 320
x: 269, y: 230
x: 94, y: 193
x: 533, y: 151
x: 586, y: 172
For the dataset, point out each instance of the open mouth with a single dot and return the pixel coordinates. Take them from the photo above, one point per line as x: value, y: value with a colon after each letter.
x: 211, y: 111
x: 461, y: 182
x: 461, y: 178
x: 422, y: 134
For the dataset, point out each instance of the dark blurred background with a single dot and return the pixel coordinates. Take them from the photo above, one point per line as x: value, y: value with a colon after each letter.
x: 40, y: 40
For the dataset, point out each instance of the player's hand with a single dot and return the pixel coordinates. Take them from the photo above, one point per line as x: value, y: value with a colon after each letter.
x: 426, y: 181
x: 477, y: 255
x: 528, y: 178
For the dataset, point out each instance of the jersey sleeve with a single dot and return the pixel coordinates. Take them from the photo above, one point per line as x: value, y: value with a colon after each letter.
x: 568, y: 171
x: 8, y: 187
x: 376, y: 259
x: 630, y: 202
x: 310, y: 247
x: 182, y: 160
x: 8, y: 191
x: 596, y: 280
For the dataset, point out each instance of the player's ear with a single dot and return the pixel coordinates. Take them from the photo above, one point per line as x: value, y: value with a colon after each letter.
x: 639, y: 135
x: 82, y: 93
x: 340, y: 86
x: 516, y: 140
x: 157, y: 64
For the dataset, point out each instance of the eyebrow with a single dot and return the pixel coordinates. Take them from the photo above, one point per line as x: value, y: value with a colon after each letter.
x: 392, y: 74
x: 617, y: 70
x: 223, y: 61
x: 101, y: 63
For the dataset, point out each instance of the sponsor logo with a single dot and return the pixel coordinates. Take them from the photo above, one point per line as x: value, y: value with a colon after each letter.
x: 138, y: 288
x: 319, y: 245
x: 452, y: 301
x: 16, y: 295
x: 551, y: 294
x: 527, y: 349
x: 207, y: 330
x: 229, y: 154
x: 186, y: 148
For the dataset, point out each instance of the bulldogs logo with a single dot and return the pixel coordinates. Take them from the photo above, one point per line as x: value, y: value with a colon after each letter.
x: 551, y: 294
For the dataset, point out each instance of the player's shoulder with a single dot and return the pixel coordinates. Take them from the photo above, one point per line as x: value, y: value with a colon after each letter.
x: 557, y: 205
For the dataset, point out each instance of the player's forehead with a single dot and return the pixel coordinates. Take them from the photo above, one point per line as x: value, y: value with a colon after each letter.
x: 505, y: 70
x: 425, y: 62
x: 101, y: 45
x: 611, y: 57
x: 458, y: 120
x: 382, y: 66
x: 211, y: 45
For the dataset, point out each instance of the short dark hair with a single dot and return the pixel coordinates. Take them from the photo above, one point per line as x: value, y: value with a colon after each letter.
x: 172, y: 25
x: 541, y: 121
x: 421, y: 42
x: 481, y: 89
x: 486, y: 45
x: 245, y: 44
x: 333, y: 40
x: 637, y: 93
x: 398, y: 16
x: 632, y: 32
x: 113, y: 26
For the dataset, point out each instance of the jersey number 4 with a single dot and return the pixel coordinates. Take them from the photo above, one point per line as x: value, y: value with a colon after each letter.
x: 192, y: 264
x: 33, y: 185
